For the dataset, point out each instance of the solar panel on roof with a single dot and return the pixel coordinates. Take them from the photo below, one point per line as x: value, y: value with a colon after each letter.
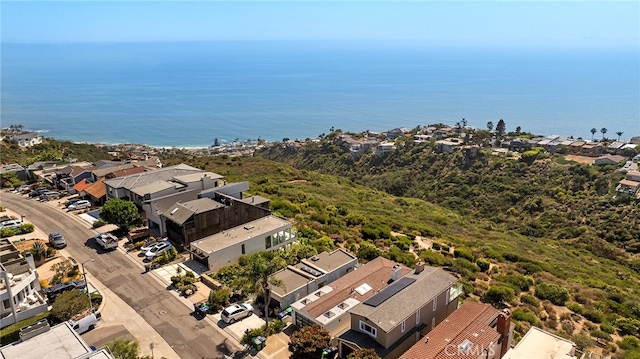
x: 389, y: 291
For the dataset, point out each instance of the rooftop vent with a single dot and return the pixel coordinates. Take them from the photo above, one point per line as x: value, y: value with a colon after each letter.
x: 174, y: 210
x: 248, y: 227
x: 315, y: 258
x: 315, y: 273
x: 465, y: 346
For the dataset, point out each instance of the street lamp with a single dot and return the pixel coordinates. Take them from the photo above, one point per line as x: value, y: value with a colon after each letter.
x: 84, y: 275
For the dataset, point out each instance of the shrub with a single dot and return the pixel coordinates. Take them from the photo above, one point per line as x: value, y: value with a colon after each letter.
x: 483, y: 264
x: 594, y: 315
x: 523, y: 316
x: 463, y: 253
x: 366, y: 353
x: 628, y: 326
x: 629, y: 342
x: 432, y: 258
x: 554, y: 293
x: 529, y: 299
x: 607, y: 328
x: 99, y: 223
x: 7, y: 232
x: 576, y: 308
x: 600, y: 334
x: 518, y: 282
x: 276, y: 326
x: 25, y: 228
x: 498, y: 294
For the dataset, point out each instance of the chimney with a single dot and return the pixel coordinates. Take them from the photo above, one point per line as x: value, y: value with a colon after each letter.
x: 419, y: 267
x: 504, y: 328
x: 396, y: 272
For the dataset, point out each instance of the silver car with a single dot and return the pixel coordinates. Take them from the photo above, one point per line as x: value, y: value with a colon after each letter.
x: 236, y: 312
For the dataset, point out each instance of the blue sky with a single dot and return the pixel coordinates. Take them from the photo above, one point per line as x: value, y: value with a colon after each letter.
x: 501, y: 23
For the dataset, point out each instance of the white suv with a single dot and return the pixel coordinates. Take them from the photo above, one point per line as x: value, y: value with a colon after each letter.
x: 236, y: 312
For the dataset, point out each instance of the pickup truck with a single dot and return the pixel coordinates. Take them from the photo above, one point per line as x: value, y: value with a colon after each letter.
x: 107, y: 240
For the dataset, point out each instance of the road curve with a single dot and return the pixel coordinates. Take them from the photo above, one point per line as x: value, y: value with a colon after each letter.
x: 188, y: 337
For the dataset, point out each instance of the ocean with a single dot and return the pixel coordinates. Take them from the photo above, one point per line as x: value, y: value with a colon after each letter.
x: 188, y: 94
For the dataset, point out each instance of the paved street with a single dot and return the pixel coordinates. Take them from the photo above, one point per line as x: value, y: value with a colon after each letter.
x: 160, y: 308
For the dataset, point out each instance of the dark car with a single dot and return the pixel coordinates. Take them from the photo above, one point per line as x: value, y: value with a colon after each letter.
x: 38, y: 192
x: 56, y: 290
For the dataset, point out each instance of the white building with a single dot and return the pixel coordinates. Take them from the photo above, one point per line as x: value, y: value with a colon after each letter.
x: 221, y: 249
x: 20, y: 290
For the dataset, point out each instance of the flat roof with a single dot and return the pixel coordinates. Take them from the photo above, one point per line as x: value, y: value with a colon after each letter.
x: 60, y: 342
x: 539, y: 344
x: 428, y: 284
x: 329, y: 261
x: 141, y: 179
x: 291, y: 280
x: 240, y: 234
x: 196, y: 177
x: 153, y: 187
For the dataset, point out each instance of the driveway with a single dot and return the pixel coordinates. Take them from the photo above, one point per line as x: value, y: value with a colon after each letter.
x: 161, y: 309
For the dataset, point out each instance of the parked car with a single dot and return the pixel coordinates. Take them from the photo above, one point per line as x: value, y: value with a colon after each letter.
x: 236, y: 312
x: 158, y: 249
x: 57, y: 240
x: 149, y: 245
x: 82, y: 204
x: 71, y: 201
x: 37, y: 192
x: 49, y: 195
x: 12, y: 223
x: 54, y: 291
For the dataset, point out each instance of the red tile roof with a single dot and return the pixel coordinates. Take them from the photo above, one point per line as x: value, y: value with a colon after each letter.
x: 80, y: 186
x: 470, y: 322
x: 97, y: 189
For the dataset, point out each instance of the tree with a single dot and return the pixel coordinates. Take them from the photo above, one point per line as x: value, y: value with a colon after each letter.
x: 556, y: 294
x: 68, y: 304
x: 619, y: 133
x: 501, y: 128
x: 490, y: 126
x: 518, y: 130
x: 603, y: 130
x: 464, y: 122
x: 257, y: 275
x: 122, y: 213
x: 124, y: 348
x: 216, y: 142
x: 593, y: 132
x: 308, y: 342
x: 366, y: 353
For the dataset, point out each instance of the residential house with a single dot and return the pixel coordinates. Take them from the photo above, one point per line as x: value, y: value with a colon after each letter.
x: 310, y: 274
x: 635, y: 140
x: 449, y: 145
x: 20, y: 290
x: 592, y: 149
x: 475, y: 330
x: 21, y: 172
x: 421, y: 138
x: 384, y: 148
x: 26, y: 139
x: 615, y: 147
x: 113, y: 169
x: 156, y: 208
x: 520, y: 144
x: 221, y: 249
x: 328, y: 306
x: 630, y: 186
x: 539, y: 344
x: 395, y: 133
x: 66, y: 177
x: 608, y: 160
x: 95, y: 192
x: 38, y: 341
x: 576, y: 147
x: 161, y: 182
x: 213, y: 211
x: 391, y: 320
x: 361, y: 147
x: 442, y: 132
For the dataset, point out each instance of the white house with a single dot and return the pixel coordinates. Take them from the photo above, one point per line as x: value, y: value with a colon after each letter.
x: 269, y: 233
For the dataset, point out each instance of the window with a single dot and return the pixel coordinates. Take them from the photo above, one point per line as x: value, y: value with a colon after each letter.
x: 433, y: 322
x: 435, y: 303
x: 267, y: 242
x: 368, y: 329
x: 446, y: 299
x: 6, y: 304
x: 403, y: 325
x: 243, y: 249
x: 418, y: 317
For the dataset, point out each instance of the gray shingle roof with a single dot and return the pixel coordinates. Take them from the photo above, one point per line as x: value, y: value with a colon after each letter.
x: 187, y: 209
x: 429, y: 283
x: 141, y: 179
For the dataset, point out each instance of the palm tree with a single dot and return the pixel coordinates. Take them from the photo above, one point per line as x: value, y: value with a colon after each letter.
x: 257, y: 276
x: 619, y: 133
x: 593, y: 132
x: 603, y: 130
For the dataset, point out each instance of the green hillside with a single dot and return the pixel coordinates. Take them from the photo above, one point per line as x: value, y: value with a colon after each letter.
x: 592, y: 282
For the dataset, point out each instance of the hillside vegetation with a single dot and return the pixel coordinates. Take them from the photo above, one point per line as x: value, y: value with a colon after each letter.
x: 563, y: 285
x: 49, y: 150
